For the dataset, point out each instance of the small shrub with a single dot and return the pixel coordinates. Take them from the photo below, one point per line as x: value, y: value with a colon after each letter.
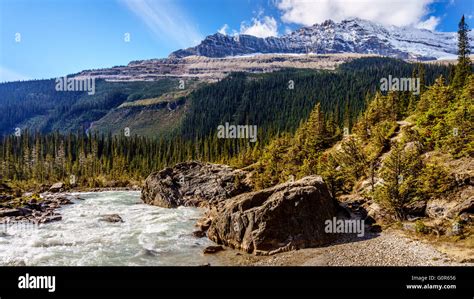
x: 421, y: 228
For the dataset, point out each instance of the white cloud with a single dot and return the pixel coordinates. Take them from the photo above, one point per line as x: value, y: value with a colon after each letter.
x: 7, y: 75
x: 260, y: 27
x: 224, y: 29
x: 387, y: 12
x: 429, y: 23
x: 166, y: 20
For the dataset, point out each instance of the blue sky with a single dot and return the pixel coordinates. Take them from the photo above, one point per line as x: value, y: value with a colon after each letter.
x: 51, y: 38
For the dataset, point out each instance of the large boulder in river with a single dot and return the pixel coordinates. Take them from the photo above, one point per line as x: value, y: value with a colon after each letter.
x: 194, y: 184
x: 112, y: 218
x: 284, y: 217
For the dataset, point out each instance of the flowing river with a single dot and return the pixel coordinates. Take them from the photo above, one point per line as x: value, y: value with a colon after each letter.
x: 149, y: 235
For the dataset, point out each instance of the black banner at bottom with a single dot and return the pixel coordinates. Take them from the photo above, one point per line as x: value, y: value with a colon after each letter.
x: 236, y: 282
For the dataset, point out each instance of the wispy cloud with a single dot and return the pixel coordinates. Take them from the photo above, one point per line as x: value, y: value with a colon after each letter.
x: 7, y: 75
x: 167, y: 20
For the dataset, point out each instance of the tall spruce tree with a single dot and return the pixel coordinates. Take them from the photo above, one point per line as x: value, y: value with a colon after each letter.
x: 463, y: 68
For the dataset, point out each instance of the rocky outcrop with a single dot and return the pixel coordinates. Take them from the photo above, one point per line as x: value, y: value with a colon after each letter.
x: 416, y: 208
x: 57, y: 187
x: 194, y: 184
x: 284, y: 217
x: 450, y: 208
x: 287, y: 216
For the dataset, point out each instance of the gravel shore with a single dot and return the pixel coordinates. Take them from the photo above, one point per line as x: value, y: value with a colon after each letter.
x: 389, y: 248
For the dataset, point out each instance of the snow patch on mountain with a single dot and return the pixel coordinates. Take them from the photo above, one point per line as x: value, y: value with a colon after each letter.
x: 348, y: 36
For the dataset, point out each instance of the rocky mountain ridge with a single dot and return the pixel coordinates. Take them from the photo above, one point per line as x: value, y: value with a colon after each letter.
x: 348, y: 36
x: 321, y: 46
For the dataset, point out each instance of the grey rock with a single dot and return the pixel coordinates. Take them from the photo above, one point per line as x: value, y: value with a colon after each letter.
x: 409, y: 227
x: 25, y: 211
x: 57, y: 187
x: 113, y: 218
x: 456, y: 228
x: 10, y: 212
x: 450, y: 209
x: 48, y: 219
x: 199, y: 234
x: 415, y: 208
x: 213, y: 249
x: 193, y: 184
x: 5, y: 197
x: 378, y: 213
x: 465, y: 218
x: 285, y: 217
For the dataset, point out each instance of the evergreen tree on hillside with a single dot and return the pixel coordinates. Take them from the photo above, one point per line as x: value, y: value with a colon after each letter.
x: 352, y: 161
x: 400, y: 174
x: 315, y: 138
x: 463, y: 68
x: 422, y: 76
x: 273, y: 166
x: 292, y: 157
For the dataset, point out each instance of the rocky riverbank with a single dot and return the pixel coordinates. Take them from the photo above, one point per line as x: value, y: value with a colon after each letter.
x: 42, y: 207
x: 286, y: 217
x: 37, y: 209
x: 284, y: 224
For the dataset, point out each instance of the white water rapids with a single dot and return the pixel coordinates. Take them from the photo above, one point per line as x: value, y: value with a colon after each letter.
x: 149, y: 235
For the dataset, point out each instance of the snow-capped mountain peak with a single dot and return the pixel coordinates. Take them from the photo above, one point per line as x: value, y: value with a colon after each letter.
x: 352, y: 35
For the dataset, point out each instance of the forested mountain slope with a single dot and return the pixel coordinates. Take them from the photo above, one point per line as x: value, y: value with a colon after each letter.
x: 275, y: 102
x: 169, y: 125
x: 37, y: 106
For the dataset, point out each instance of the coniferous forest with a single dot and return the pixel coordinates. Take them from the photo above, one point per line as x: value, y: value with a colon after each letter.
x: 41, y: 154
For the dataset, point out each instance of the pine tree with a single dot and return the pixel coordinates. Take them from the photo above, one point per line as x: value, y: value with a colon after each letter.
x: 400, y: 173
x: 463, y: 67
x: 422, y: 76
x: 352, y: 160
